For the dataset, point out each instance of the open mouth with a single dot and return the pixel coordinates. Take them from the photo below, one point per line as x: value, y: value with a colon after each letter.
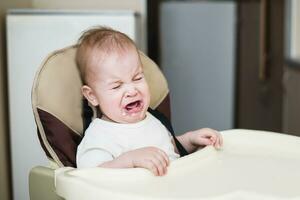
x: 134, y: 106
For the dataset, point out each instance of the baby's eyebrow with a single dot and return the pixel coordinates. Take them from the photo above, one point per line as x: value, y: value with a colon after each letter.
x: 110, y: 82
x: 139, y: 71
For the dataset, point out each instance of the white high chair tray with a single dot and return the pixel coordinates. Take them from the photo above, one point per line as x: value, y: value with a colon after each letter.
x: 251, y: 165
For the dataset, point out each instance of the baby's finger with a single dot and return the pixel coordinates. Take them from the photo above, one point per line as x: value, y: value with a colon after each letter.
x: 206, y: 141
x: 207, y: 134
x: 219, y: 137
x: 216, y: 135
x: 164, y: 156
x: 221, y: 140
x: 148, y: 164
x: 163, y: 162
x: 217, y: 143
x: 213, y: 138
x: 159, y: 166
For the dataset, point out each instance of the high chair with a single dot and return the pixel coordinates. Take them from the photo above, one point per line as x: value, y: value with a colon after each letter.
x: 251, y: 164
x: 57, y: 104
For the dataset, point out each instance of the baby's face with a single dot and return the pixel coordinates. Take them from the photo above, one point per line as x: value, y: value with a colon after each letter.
x: 120, y: 88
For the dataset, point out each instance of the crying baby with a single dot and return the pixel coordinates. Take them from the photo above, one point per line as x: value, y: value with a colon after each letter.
x: 126, y: 135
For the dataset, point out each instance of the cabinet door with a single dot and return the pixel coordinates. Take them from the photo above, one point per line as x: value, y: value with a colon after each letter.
x: 260, y: 65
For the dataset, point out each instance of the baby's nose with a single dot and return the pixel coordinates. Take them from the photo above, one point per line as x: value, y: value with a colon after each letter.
x: 131, y: 91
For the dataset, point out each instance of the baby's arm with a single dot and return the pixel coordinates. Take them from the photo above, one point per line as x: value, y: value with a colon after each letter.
x: 192, y: 140
x: 151, y: 158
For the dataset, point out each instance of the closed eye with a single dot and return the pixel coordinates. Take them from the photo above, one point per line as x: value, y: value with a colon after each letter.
x: 116, y: 87
x: 139, y: 77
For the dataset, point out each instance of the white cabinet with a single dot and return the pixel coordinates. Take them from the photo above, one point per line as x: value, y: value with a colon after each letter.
x: 31, y: 36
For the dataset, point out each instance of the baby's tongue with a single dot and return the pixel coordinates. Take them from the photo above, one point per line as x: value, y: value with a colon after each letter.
x: 131, y: 105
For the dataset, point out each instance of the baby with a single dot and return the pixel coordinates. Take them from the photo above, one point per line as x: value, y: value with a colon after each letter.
x: 126, y: 135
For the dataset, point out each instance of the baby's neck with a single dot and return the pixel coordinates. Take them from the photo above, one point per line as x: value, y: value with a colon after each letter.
x: 105, y: 118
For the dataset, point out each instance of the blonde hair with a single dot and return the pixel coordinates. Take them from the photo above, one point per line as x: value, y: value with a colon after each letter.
x: 100, y: 39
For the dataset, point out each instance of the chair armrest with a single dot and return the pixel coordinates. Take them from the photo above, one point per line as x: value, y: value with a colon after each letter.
x: 41, y: 184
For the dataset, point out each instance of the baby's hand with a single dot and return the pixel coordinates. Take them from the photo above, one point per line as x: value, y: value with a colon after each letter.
x: 152, y: 158
x: 206, y: 136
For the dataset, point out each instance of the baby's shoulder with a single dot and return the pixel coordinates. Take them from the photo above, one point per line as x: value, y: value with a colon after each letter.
x: 95, y: 130
x: 154, y: 120
x: 94, y: 136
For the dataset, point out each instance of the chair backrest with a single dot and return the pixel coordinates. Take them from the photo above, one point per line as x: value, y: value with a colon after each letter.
x: 57, y: 102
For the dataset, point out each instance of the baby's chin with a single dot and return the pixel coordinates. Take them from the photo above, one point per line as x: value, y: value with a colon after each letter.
x: 132, y: 117
x: 126, y: 118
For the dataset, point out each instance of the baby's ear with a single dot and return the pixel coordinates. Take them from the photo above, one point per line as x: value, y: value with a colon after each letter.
x: 89, y: 95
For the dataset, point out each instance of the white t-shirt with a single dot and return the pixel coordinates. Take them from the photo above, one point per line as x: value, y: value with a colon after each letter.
x: 104, y: 140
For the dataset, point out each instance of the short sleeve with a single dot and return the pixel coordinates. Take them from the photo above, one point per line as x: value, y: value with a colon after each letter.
x: 96, y: 148
x: 93, y: 158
